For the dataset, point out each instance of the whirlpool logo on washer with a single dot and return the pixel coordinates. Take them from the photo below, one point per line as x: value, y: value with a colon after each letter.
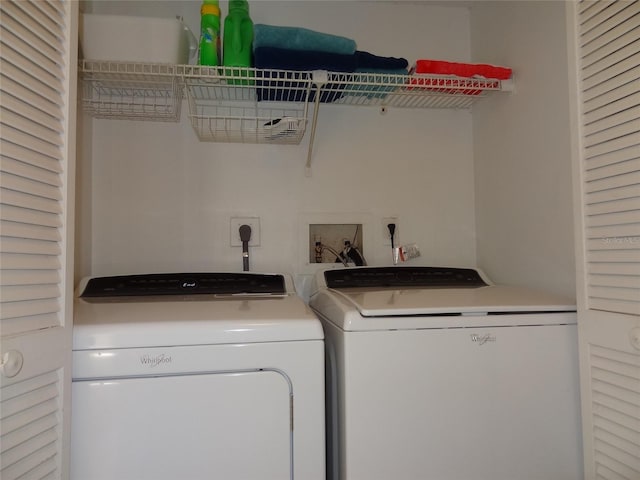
x: 153, y: 361
x: 482, y: 339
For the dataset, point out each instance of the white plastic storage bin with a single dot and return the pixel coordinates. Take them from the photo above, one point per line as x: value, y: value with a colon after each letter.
x: 136, y: 39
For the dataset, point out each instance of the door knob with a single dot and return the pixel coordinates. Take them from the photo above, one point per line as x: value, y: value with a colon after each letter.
x: 12, y: 362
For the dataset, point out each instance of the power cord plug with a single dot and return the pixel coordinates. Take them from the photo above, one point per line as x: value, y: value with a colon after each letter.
x: 392, y: 232
x: 245, y: 236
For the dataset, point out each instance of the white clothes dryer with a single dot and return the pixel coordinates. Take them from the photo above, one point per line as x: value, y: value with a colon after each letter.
x: 436, y: 374
x: 196, y: 376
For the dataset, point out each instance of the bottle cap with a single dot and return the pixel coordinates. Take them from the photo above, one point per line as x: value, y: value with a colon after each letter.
x: 242, y: 5
x: 208, y: 9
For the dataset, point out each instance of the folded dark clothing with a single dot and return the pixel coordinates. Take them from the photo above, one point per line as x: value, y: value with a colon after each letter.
x: 286, y: 59
x: 366, y: 61
x: 282, y: 86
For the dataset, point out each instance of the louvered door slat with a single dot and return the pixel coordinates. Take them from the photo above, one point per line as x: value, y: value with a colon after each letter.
x: 612, y: 66
x: 618, y: 443
x: 40, y: 19
x: 616, y: 293
x: 42, y: 40
x: 595, y: 87
x: 610, y: 42
x: 587, y: 10
x: 616, y: 460
x: 609, y: 195
x: 615, y: 144
x: 610, y: 243
x: 623, y: 205
x: 21, y: 277
x: 31, y: 232
x: 19, y: 324
x: 613, y: 16
x: 625, y: 180
x: 613, y: 219
x: 18, y: 293
x: 619, y: 124
x: 12, y: 135
x: 33, y: 308
x: 621, y: 255
x: 40, y: 118
x: 29, y: 412
x: 31, y: 170
x: 26, y: 245
x: 30, y: 127
x: 20, y: 153
x: 616, y: 100
x: 36, y: 459
x: 26, y: 91
x: 612, y: 170
x: 24, y: 424
x: 16, y: 390
x: 607, y: 158
x: 628, y: 281
x: 621, y: 117
x: 26, y: 215
x: 603, y: 425
x: 614, y: 269
x: 43, y: 72
x: 29, y: 186
x: 20, y: 199
x: 17, y: 261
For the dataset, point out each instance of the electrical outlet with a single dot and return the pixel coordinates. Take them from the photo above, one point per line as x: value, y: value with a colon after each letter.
x: 253, y: 222
x: 385, y: 231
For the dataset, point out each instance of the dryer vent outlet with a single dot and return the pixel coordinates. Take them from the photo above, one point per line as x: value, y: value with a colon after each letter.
x: 329, y: 241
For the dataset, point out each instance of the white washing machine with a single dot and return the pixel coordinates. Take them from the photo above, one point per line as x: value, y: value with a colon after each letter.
x: 196, y: 376
x: 436, y: 374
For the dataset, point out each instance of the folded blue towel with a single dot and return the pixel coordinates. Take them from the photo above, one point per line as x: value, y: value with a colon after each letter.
x: 274, y: 88
x: 295, y: 38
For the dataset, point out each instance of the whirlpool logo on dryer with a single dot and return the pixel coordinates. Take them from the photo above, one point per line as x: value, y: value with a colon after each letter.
x: 152, y: 361
x: 482, y: 339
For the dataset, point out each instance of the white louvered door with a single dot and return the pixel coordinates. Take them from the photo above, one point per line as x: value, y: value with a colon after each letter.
x: 605, y: 37
x: 38, y: 51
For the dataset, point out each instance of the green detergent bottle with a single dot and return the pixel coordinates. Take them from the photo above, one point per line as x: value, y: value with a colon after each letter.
x: 238, y: 40
x: 210, y: 33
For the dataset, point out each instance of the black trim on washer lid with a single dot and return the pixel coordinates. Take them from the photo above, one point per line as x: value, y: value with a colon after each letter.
x: 424, y: 277
x: 185, y: 284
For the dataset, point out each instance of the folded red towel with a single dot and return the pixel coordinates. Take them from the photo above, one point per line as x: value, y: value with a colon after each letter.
x: 440, y: 67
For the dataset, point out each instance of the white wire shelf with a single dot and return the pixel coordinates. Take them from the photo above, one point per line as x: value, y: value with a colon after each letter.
x: 249, y: 105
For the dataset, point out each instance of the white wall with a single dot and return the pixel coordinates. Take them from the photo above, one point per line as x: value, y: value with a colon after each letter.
x: 157, y: 199
x: 522, y: 156
x: 161, y: 200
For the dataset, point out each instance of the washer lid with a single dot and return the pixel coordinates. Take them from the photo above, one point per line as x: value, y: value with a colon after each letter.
x: 202, y: 319
x: 490, y: 299
x: 405, y: 298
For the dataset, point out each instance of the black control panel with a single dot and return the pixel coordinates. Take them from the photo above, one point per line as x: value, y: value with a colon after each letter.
x: 425, y: 277
x: 185, y: 284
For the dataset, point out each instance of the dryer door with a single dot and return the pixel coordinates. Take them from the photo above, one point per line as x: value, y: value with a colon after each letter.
x: 233, y: 426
